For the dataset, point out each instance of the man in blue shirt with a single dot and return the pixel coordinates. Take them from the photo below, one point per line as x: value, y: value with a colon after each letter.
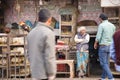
x: 104, y: 39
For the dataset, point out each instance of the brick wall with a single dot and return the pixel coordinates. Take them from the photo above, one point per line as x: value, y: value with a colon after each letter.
x: 28, y: 10
x: 89, y: 10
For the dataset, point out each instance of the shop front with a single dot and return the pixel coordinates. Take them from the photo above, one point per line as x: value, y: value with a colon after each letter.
x: 67, y: 15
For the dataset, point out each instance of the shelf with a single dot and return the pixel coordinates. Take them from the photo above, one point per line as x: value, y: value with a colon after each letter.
x: 3, y: 45
x: 63, y: 72
x: 3, y: 35
x: 17, y: 44
x: 1, y: 66
x: 3, y: 55
x: 65, y: 36
x: 66, y: 27
x: 12, y: 65
x: 19, y: 74
x: 115, y: 72
x: 16, y: 53
x: 14, y: 59
x: 19, y: 35
x: 11, y: 53
x: 113, y: 18
x: 66, y: 23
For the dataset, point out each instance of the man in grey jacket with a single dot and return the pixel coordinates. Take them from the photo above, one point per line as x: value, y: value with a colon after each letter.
x: 41, y: 48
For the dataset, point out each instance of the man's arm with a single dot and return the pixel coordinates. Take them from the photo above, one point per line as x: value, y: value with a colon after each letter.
x: 77, y: 40
x: 96, y: 44
x: 98, y: 36
x: 86, y: 40
x: 49, y: 55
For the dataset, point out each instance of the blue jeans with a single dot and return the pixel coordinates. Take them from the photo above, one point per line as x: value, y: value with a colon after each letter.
x: 104, y: 62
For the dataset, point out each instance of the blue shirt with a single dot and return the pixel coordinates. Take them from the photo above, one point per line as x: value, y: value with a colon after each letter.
x: 105, y: 33
x: 112, y: 51
x: 113, y: 56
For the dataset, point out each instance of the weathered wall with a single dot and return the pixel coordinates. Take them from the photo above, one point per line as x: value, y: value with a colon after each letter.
x: 28, y: 10
x: 89, y: 10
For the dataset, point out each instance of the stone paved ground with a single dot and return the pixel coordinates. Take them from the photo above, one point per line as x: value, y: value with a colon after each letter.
x: 95, y: 72
x: 65, y: 79
x: 92, y: 77
x: 82, y: 79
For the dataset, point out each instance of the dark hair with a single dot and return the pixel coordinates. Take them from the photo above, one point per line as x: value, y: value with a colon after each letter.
x: 44, y: 15
x: 103, y: 16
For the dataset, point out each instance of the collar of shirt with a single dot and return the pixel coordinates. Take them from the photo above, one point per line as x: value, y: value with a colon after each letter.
x: 104, y: 21
x: 45, y: 25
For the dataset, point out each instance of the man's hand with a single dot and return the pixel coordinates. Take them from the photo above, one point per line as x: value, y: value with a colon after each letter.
x: 95, y: 45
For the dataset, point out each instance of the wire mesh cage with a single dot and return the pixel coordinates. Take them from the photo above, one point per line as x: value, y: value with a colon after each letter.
x: 14, y: 64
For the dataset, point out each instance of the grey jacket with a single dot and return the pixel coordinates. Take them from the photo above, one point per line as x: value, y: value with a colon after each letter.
x: 41, y: 51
